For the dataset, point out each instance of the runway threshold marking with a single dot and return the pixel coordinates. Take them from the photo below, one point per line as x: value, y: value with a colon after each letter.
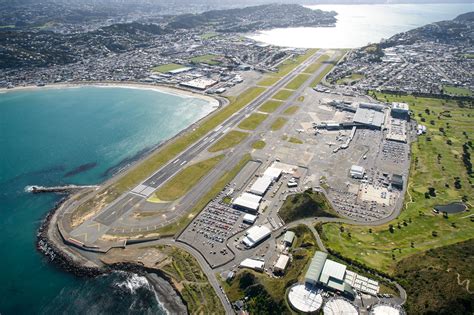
x: 83, y: 234
x: 97, y: 224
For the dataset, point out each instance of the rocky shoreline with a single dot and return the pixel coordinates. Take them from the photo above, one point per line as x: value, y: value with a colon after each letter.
x: 168, y: 296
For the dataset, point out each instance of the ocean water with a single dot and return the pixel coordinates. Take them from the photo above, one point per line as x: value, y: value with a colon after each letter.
x: 45, y: 136
x: 358, y: 25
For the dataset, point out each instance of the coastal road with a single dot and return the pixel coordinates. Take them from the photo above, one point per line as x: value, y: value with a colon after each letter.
x: 88, y: 231
x: 211, y: 276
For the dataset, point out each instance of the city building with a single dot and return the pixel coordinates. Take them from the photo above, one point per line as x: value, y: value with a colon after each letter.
x: 247, y: 202
x: 199, y: 83
x: 261, y: 185
x: 255, y: 235
x: 369, y: 118
x: 397, y: 181
x: 281, y: 263
x: 357, y: 171
x: 335, y: 276
x: 252, y: 264
x: 400, y: 110
x: 288, y: 238
x: 249, y: 218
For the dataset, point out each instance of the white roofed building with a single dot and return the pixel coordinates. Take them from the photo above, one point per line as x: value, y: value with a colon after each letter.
x: 261, y: 185
x: 252, y: 264
x: 255, y: 235
x: 247, y: 202
x: 281, y: 263
x: 357, y: 171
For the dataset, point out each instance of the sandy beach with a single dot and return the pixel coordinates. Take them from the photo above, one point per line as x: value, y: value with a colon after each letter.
x: 130, y: 85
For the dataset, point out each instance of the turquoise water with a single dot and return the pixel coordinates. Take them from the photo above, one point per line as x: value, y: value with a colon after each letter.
x: 358, y: 25
x: 44, y: 135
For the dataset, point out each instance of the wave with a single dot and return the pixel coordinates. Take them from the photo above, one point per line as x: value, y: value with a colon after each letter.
x: 119, y: 292
x: 134, y: 282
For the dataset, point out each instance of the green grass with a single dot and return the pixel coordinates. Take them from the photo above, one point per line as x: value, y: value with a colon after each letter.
x: 288, y: 65
x: 351, y: 78
x: 278, y: 123
x: 253, y: 121
x: 456, y: 91
x: 194, y: 288
x: 282, y: 95
x: 268, y: 81
x: 208, y: 59
x: 270, y: 106
x: 295, y: 140
x: 209, y: 35
x: 323, y: 60
x: 167, y: 67
x: 305, y: 205
x: 231, y: 139
x: 182, y: 182
x: 179, y: 225
x: 413, y: 229
x: 263, y: 290
x: 431, y: 280
x: 258, y: 145
x: 291, y: 110
x: 136, y: 174
x: 297, y: 81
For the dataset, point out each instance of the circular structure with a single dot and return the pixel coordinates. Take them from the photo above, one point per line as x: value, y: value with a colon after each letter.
x: 385, y: 309
x: 304, y: 298
x: 339, y: 306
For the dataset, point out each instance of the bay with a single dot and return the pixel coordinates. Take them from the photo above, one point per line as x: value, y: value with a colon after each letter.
x: 46, y: 135
x: 359, y: 25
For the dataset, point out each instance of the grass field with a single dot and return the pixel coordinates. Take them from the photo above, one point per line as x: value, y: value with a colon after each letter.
x: 278, y: 123
x: 230, y: 140
x: 349, y: 79
x: 282, y: 95
x: 436, y: 162
x: 258, y: 145
x: 297, y: 81
x: 436, y: 281
x: 456, y: 91
x: 290, y: 64
x: 267, y: 294
x: 193, y: 285
x: 7, y: 26
x: 209, y: 35
x: 321, y: 61
x: 291, y: 110
x: 270, y: 106
x: 182, y: 182
x: 156, y: 160
x: 175, y: 227
x: 208, y: 59
x: 285, y: 68
x: 308, y: 204
x: 167, y: 67
x: 295, y: 140
x: 268, y: 81
x: 253, y: 121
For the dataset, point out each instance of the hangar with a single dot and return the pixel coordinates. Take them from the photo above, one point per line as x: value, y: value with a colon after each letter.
x: 247, y: 202
x: 255, y: 235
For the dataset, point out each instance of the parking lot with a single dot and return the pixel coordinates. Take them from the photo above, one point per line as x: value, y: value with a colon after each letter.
x: 211, y: 229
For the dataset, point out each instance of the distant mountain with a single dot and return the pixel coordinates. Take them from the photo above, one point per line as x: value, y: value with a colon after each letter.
x: 458, y: 30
